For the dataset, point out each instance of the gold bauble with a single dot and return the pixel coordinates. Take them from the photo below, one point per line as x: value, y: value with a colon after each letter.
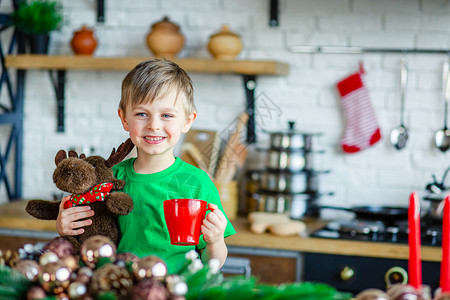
x: 29, y: 268
x: 150, y: 267
x: 95, y: 248
x: 55, y: 276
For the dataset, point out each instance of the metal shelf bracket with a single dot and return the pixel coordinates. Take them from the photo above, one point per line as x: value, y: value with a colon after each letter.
x: 250, y: 86
x: 274, y: 13
x: 58, y: 78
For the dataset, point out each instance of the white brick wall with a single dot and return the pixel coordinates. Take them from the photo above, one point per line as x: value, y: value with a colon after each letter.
x: 307, y: 95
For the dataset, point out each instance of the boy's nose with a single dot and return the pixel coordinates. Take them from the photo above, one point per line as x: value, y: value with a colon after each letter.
x: 154, y: 125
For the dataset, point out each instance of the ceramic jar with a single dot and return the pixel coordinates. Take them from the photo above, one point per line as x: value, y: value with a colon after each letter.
x: 225, y: 45
x: 165, y: 39
x: 83, y: 41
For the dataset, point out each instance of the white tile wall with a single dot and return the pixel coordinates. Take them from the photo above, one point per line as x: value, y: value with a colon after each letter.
x: 307, y: 95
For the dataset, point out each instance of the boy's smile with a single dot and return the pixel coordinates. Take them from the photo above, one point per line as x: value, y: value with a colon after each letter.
x: 155, y: 127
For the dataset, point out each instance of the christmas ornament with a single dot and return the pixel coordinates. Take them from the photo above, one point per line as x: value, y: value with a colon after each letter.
x: 149, y: 289
x: 150, y: 267
x: 176, y: 286
x: 29, y: 268
x: 36, y: 292
x: 362, y: 130
x: 48, y: 257
x: 403, y: 292
x: 76, y: 290
x: 113, y: 279
x: 84, y: 275
x: 55, y: 277
x: 9, y: 258
x: 127, y: 257
x: 372, y: 294
x: 95, y: 248
x: 71, y: 262
x: 31, y: 251
x: 60, y: 247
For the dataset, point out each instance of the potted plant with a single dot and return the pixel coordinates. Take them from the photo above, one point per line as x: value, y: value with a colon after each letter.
x: 36, y: 19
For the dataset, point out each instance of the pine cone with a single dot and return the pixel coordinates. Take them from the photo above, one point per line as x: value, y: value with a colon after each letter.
x: 9, y: 258
x: 111, y: 279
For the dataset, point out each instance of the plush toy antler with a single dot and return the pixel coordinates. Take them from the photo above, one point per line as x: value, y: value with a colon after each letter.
x: 91, y: 182
x: 122, y: 151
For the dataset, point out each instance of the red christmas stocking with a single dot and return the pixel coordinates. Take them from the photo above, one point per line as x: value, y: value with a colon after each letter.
x: 362, y: 130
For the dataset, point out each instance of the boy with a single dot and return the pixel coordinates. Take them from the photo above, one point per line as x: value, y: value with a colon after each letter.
x: 156, y: 107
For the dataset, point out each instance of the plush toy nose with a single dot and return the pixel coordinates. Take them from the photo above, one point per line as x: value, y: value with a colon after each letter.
x: 74, y: 175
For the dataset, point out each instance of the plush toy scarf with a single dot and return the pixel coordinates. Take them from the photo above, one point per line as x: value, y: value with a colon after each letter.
x: 97, y: 193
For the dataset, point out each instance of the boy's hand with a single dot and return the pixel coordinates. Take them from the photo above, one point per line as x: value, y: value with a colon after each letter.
x: 68, y: 221
x: 214, y: 225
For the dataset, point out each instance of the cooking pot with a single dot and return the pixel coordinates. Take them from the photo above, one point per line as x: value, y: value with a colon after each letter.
x: 290, y: 160
x: 288, y: 182
x: 291, y: 139
x: 293, y: 204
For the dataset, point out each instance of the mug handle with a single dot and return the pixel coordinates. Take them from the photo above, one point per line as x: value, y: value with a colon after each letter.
x: 205, y: 215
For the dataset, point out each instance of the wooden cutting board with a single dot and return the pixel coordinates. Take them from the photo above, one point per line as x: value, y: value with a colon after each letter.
x: 208, y: 143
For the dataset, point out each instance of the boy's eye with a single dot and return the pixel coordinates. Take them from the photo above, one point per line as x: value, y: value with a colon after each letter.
x: 167, y: 115
x: 141, y: 114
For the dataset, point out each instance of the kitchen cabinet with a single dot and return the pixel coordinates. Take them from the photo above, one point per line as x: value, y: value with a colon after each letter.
x: 57, y: 65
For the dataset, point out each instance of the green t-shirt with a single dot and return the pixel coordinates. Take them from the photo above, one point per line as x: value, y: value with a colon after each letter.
x: 144, y: 231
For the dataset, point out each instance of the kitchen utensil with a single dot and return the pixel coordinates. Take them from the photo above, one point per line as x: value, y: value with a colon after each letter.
x: 442, y: 137
x: 234, y: 154
x: 387, y: 213
x: 184, y: 219
x: 291, y: 139
x: 399, y: 135
x: 436, y: 206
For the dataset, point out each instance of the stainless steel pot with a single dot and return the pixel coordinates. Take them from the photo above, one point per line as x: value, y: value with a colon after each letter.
x: 291, y: 139
x: 286, y: 182
x: 293, y: 204
x: 288, y: 160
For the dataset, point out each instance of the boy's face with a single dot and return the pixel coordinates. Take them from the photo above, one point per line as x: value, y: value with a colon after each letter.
x: 155, y: 128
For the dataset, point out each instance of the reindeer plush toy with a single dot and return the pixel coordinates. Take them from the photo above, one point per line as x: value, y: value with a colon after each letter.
x: 91, y: 182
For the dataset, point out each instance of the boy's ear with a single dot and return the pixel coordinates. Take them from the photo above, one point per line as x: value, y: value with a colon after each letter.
x: 122, y: 119
x: 189, y: 122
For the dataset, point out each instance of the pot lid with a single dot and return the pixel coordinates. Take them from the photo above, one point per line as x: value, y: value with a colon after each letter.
x: 292, y: 131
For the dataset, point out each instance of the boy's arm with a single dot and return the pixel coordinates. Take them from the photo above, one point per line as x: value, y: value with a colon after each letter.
x: 217, y: 250
x: 213, y: 229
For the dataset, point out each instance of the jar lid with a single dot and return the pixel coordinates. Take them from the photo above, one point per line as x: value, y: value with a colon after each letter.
x: 225, y: 31
x: 165, y: 24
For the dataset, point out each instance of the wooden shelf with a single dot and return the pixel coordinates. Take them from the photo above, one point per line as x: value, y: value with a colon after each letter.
x: 81, y: 62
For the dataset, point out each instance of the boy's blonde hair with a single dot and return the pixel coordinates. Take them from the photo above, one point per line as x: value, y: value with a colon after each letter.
x: 154, y: 78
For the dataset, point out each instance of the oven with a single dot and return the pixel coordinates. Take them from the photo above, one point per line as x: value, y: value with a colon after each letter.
x: 354, y: 274
x: 357, y: 273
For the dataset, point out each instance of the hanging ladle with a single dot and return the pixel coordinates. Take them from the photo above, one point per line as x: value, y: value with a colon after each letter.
x: 442, y: 137
x: 399, y: 135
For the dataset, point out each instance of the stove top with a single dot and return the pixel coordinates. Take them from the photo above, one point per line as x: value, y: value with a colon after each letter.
x: 379, y: 231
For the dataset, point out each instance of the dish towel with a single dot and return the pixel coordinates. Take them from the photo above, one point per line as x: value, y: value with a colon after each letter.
x: 362, y: 130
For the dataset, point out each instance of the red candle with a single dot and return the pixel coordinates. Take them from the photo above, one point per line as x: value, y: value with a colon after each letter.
x: 445, y: 275
x: 414, y: 263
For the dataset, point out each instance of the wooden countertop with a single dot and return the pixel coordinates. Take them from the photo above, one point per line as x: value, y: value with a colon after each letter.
x: 14, y: 216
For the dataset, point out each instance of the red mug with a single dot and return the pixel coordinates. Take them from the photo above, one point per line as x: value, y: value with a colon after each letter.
x: 184, y: 219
